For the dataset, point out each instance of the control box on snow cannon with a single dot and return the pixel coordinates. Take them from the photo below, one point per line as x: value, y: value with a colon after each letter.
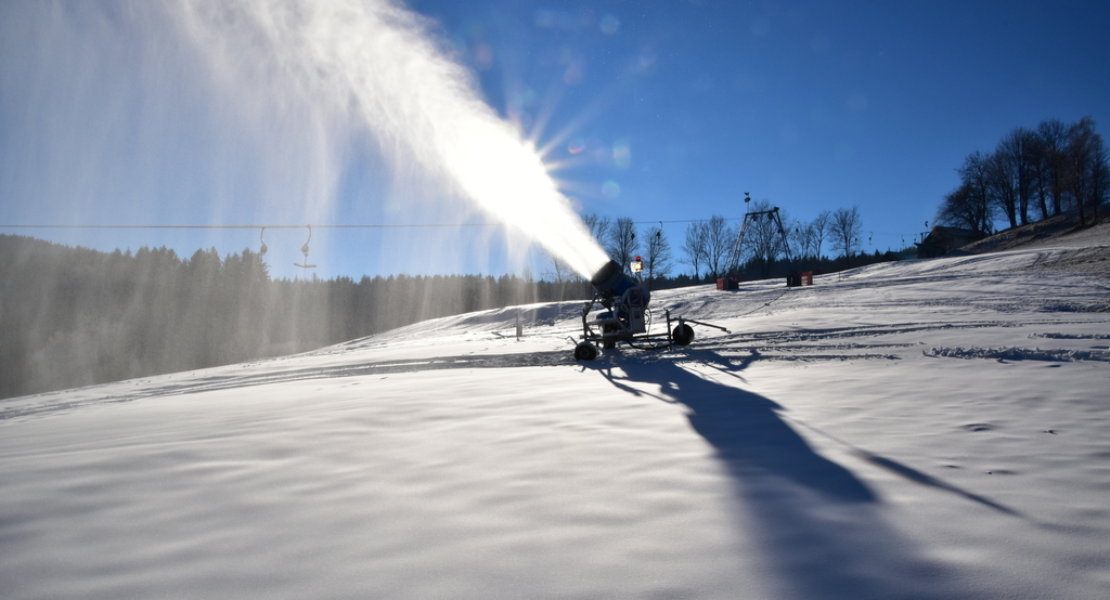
x: 625, y: 316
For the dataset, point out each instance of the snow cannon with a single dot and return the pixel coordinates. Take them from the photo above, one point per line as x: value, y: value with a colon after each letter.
x: 624, y: 299
x: 624, y: 316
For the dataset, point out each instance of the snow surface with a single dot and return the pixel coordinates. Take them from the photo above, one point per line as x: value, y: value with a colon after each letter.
x: 924, y: 429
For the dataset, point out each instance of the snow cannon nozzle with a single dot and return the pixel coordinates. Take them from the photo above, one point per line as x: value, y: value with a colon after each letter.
x: 610, y: 280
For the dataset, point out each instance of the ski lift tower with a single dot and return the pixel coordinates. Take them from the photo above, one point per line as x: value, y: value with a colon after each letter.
x: 750, y: 216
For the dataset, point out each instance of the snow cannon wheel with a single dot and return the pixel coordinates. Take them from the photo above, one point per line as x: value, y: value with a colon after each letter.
x: 585, y: 351
x: 683, y: 334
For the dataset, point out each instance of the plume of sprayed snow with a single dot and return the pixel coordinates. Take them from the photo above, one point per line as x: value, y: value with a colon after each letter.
x: 373, y: 66
x: 224, y: 111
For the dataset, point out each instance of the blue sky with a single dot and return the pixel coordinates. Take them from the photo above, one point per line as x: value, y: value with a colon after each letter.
x: 663, y: 111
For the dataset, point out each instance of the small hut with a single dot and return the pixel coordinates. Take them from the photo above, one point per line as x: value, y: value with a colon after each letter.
x: 943, y: 240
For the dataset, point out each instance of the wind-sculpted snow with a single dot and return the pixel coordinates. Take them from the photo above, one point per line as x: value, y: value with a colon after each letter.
x: 1052, y: 355
x: 930, y: 429
x: 146, y: 389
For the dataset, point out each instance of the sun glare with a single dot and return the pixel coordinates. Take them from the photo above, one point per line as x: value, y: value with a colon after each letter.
x: 507, y: 178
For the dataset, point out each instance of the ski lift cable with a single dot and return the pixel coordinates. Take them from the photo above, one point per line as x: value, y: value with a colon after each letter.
x: 263, y: 227
x: 287, y: 226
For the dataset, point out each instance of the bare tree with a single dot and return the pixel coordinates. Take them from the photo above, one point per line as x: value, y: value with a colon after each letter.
x: 810, y: 237
x: 696, y: 246
x: 1012, y: 170
x: 1100, y: 180
x: 1001, y: 189
x: 969, y: 206
x: 597, y: 226
x: 1045, y: 171
x: 622, y: 241
x: 959, y: 209
x: 657, y: 260
x: 1087, y: 176
x: 846, y: 230
x: 975, y: 174
x: 719, y: 241
x: 1024, y: 146
x: 820, y: 228
x: 1049, y: 168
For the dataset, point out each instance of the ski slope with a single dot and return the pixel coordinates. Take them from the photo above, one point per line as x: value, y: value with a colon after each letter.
x: 924, y: 429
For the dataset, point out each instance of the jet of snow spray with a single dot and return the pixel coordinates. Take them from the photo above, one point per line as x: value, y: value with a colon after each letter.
x: 373, y: 63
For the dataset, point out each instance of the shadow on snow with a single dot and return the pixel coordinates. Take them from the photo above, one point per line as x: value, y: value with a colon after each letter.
x: 817, y: 527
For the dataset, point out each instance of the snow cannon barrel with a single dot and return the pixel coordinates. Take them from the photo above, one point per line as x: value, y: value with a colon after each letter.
x: 613, y: 285
x: 610, y: 280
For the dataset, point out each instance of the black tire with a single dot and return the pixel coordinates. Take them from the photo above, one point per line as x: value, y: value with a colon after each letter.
x: 683, y: 334
x: 585, y: 351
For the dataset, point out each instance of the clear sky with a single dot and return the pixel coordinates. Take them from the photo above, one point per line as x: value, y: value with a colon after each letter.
x: 660, y: 110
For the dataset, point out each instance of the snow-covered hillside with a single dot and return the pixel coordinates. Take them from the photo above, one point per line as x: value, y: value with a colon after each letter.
x: 933, y: 429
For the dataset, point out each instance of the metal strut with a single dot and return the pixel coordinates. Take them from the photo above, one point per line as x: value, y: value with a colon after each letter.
x: 773, y: 216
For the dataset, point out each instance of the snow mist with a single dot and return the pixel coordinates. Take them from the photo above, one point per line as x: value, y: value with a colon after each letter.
x: 372, y: 65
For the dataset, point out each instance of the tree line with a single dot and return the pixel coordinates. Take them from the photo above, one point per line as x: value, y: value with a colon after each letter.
x: 75, y: 316
x: 712, y: 247
x: 1031, y: 175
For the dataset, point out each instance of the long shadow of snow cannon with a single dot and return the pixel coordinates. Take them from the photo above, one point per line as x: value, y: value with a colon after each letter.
x: 818, y: 527
x: 744, y: 428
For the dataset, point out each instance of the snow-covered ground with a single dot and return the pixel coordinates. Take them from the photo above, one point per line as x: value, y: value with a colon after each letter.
x: 926, y: 429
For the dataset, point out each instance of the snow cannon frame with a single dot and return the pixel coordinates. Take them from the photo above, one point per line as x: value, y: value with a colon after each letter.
x: 625, y: 316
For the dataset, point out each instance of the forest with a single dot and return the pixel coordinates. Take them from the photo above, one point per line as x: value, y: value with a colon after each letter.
x: 75, y: 316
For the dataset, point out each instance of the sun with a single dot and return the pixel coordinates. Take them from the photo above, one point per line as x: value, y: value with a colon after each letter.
x: 506, y: 177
